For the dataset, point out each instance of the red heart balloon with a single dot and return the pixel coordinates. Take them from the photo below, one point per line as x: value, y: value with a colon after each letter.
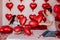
x: 33, y: 0
x: 46, y: 0
x: 57, y: 9
x: 7, y: 29
x: 23, y: 20
x: 8, y: 16
x: 40, y: 13
x: 18, y: 29
x: 33, y: 6
x: 59, y: 26
x: 21, y: 0
x: 58, y: 1
x: 44, y: 19
x: 33, y: 23
x: 9, y: 5
x: 36, y: 18
x: 21, y: 7
x: 39, y: 18
x: 46, y: 5
x: 27, y: 26
x: 1, y: 30
x: 20, y: 16
x: 27, y: 31
x: 57, y: 18
x: 32, y: 16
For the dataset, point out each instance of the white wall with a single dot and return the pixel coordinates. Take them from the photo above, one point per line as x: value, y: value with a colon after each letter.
x: 0, y: 12
x: 27, y: 11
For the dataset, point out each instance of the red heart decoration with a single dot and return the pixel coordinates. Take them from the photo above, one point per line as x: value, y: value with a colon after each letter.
x: 46, y: 5
x: 18, y: 28
x: 57, y: 9
x: 23, y: 20
x: 7, y: 29
x: 58, y: 1
x: 36, y: 18
x: 1, y: 30
x: 21, y: 0
x: 32, y: 16
x: 20, y: 16
x: 40, y: 13
x: 33, y: 6
x: 44, y: 19
x: 57, y: 18
x: 33, y: 23
x: 8, y: 16
x: 46, y: 0
x: 59, y: 26
x: 27, y: 30
x: 33, y: 0
x: 21, y: 7
x: 9, y: 5
x: 39, y: 18
x: 27, y: 26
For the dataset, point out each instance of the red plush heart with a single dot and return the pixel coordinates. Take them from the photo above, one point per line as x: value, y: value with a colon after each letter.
x: 9, y: 5
x: 27, y: 31
x: 18, y: 29
x: 33, y: 23
x: 8, y: 16
x: 46, y: 5
x: 20, y: 16
x: 33, y: 6
x: 57, y: 9
x: 7, y: 29
x: 23, y: 20
x: 46, y: 0
x: 21, y: 7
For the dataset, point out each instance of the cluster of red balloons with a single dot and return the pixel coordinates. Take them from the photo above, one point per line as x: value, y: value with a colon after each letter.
x: 34, y: 22
x: 8, y: 29
x: 9, y: 5
x: 57, y: 11
x: 34, y: 19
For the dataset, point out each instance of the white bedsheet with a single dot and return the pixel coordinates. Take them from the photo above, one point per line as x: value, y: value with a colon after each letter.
x: 34, y: 36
